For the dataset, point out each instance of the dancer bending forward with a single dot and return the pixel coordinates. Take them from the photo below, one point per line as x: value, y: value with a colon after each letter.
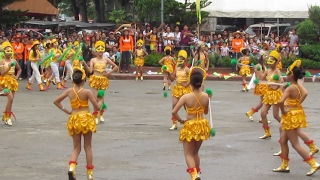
x: 81, y: 122
x: 196, y: 128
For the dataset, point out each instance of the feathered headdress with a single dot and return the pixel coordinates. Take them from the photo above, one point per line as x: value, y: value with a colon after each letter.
x: 296, y: 63
x: 183, y: 53
x: 275, y: 55
x: 167, y: 48
x: 198, y: 69
x: 82, y: 70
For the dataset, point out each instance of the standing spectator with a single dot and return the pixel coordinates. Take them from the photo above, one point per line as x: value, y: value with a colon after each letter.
x: 126, y: 48
x: 111, y: 41
x: 185, y: 38
x: 168, y: 37
x: 86, y: 50
x: 293, y: 38
x: 18, y: 49
x: 237, y: 44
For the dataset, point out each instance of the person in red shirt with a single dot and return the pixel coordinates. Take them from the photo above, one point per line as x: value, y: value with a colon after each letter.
x: 237, y: 44
x: 126, y: 48
x: 18, y: 50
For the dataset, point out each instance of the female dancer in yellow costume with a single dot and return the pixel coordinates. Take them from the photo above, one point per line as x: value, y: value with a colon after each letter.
x: 169, y: 62
x: 260, y: 89
x: 201, y: 60
x: 294, y: 118
x: 196, y: 128
x: 54, y: 64
x: 99, y: 78
x: 278, y: 49
x: 46, y: 65
x: 140, y: 54
x: 76, y: 60
x: 68, y: 64
x: 81, y: 121
x: 8, y: 80
x: 244, y: 62
x: 182, y: 87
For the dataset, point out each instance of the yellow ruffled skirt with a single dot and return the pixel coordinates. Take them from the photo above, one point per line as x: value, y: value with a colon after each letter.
x: 272, y: 96
x: 244, y: 71
x: 195, y: 129
x: 8, y: 81
x: 260, y: 89
x: 179, y: 90
x: 76, y: 64
x: 169, y: 68
x: 81, y: 123
x: 139, y: 62
x: 98, y: 82
x: 294, y: 119
x: 279, y: 65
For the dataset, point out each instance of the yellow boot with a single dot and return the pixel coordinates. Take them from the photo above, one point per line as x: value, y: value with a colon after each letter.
x: 137, y: 76
x: 72, y: 170
x: 90, y: 172
x: 63, y: 83
x: 29, y: 86
x: 174, y: 124
x: 48, y: 84
x: 101, y: 119
x: 313, y: 148
x: 193, y: 173
x: 250, y: 113
x: 7, y: 118
x: 314, y: 166
x: 284, y: 166
x: 59, y: 86
x: 42, y: 88
x: 96, y: 114
x: 267, y: 133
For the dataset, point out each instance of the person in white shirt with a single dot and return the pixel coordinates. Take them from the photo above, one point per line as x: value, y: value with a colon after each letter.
x: 168, y: 37
x: 224, y: 50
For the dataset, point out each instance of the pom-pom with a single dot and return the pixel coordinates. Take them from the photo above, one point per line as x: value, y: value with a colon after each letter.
x: 213, y: 132
x: 234, y: 62
x: 164, y: 67
x: 308, y: 74
x: 175, y: 58
x: 6, y: 90
x: 100, y: 94
x: 130, y: 51
x: 45, y: 36
x: 276, y: 77
x: 198, y: 62
x: 103, y: 106
x: 252, y: 64
x: 81, y: 58
x: 209, y: 92
x: 165, y: 94
x: 13, y: 63
x: 191, y: 47
x: 256, y: 81
x: 259, y: 68
x: 288, y: 84
x: 132, y: 65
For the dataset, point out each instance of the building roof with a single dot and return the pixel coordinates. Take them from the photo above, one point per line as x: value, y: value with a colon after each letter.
x: 38, y: 7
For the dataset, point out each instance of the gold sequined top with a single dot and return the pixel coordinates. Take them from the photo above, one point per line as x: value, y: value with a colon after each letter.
x: 245, y: 60
x: 196, y: 110
x: 77, y: 103
x: 181, y: 76
x: 100, y: 66
x: 294, y: 102
x: 269, y: 77
x: 12, y: 68
x: 167, y: 62
x: 203, y: 61
x: 140, y: 52
x: 55, y: 52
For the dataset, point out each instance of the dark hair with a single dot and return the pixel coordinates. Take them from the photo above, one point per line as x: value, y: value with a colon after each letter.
x: 244, y: 51
x: 77, y: 77
x: 34, y: 51
x: 261, y: 62
x: 298, y: 73
x: 196, y: 80
x: 168, y: 52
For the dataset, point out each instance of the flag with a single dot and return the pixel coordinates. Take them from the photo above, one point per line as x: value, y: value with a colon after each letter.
x: 198, y: 9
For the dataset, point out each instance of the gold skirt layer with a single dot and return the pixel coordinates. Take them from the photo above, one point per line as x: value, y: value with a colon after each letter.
x: 81, y: 123
x: 272, y: 97
x: 178, y: 90
x: 98, y: 82
x: 139, y: 62
x: 169, y: 68
x: 195, y: 129
x: 294, y: 119
x: 260, y: 89
x: 279, y: 65
x: 8, y: 81
x: 245, y: 71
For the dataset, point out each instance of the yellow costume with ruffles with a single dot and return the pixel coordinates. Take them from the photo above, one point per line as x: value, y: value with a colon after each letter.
x: 76, y: 62
x: 99, y: 82
x: 139, y: 60
x: 8, y: 80
x: 279, y: 65
x: 197, y: 129
x: 245, y: 69
x: 169, y: 63
x: 260, y: 89
x: 272, y: 96
x: 81, y: 122
x: 182, y: 78
x: 295, y: 117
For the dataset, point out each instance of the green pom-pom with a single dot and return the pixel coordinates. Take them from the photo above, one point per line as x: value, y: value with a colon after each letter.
x: 165, y: 94
x: 234, y: 62
x: 164, y: 67
x: 130, y: 51
x: 52, y: 37
x: 256, y: 81
x: 213, y: 132
x: 252, y: 64
x: 100, y: 93
x: 132, y: 65
x: 209, y: 92
x: 175, y: 58
x: 288, y: 84
x: 198, y: 62
x: 276, y: 77
x: 45, y: 36
x: 259, y: 68
x: 6, y: 90
x: 81, y: 58
x: 191, y: 47
x: 103, y: 106
x: 13, y: 63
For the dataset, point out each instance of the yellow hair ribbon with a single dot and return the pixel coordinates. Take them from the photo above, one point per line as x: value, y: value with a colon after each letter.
x: 198, y: 69
x: 296, y: 63
x: 82, y: 70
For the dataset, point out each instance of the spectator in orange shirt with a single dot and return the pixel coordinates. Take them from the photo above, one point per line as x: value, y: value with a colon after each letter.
x: 237, y: 44
x: 27, y: 63
x: 18, y: 49
x: 126, y: 48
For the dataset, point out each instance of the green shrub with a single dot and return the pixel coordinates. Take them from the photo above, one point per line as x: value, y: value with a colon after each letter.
x: 310, y: 51
x: 213, y: 59
x: 310, y: 64
x: 307, y: 31
x: 153, y: 59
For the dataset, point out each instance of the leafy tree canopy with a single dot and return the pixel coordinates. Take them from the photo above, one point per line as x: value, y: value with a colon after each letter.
x: 8, y: 16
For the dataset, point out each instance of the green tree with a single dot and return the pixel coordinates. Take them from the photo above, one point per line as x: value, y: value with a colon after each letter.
x: 307, y: 31
x: 314, y: 14
x: 117, y: 16
x: 9, y: 17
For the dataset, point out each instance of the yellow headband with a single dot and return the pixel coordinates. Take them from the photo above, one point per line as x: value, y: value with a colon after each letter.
x: 82, y: 70
x: 167, y: 48
x: 199, y: 69
x: 296, y: 63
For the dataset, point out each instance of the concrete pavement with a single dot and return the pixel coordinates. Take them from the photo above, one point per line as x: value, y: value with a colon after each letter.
x: 135, y: 144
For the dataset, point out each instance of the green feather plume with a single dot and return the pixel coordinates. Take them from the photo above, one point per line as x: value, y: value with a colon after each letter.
x: 259, y: 68
x: 276, y: 77
x: 100, y: 93
x: 234, y: 62
x: 103, y: 106
x: 288, y: 84
x: 13, y: 63
x: 6, y: 90
x: 209, y: 92
x: 256, y: 81
x: 165, y: 94
x: 164, y: 67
